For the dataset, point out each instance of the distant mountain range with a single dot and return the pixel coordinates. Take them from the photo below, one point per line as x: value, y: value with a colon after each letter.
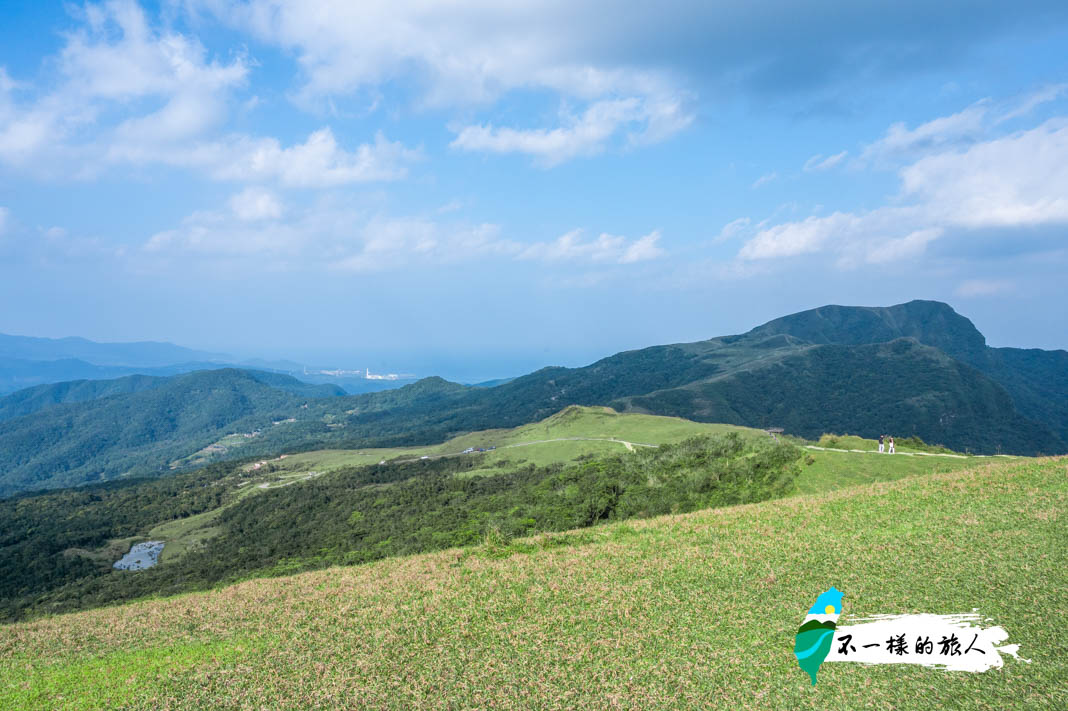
x: 913, y: 369
x: 27, y: 361
x: 147, y: 354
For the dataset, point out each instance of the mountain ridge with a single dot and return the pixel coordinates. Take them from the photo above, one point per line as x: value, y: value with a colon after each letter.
x: 823, y: 370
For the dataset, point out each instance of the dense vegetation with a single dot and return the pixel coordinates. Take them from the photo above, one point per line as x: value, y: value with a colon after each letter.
x: 34, y: 399
x: 38, y: 534
x: 899, y: 387
x: 918, y: 369
x: 362, y: 514
x: 1037, y: 380
x: 141, y: 433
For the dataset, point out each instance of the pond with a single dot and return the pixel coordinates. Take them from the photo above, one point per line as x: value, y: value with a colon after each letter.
x: 141, y: 556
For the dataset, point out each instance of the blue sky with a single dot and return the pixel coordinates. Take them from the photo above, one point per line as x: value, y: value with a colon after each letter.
x: 481, y: 188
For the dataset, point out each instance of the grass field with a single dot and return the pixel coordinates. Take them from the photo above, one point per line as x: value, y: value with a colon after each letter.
x: 694, y: 611
x: 573, y: 432
x: 547, y: 442
x: 831, y: 470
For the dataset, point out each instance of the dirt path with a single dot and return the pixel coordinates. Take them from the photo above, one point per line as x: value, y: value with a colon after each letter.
x: 267, y: 484
x: 629, y: 445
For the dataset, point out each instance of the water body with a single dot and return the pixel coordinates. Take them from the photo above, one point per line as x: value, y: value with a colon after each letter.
x: 141, y: 556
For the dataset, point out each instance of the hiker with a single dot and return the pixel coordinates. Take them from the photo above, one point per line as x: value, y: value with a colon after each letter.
x: 891, y: 445
x: 881, y: 445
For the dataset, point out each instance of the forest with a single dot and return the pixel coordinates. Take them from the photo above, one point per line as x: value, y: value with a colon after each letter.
x: 358, y: 515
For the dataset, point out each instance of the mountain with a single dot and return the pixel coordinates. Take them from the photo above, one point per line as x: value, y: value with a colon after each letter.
x: 138, y: 354
x: 17, y: 374
x: 139, y: 432
x: 28, y: 361
x: 40, y: 397
x: 1037, y: 380
x: 916, y: 369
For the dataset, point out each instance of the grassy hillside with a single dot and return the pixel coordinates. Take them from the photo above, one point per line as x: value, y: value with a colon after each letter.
x: 573, y: 432
x: 686, y: 611
x: 230, y: 521
x: 300, y: 512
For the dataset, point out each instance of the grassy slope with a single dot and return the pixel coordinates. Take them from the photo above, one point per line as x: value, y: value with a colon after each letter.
x: 572, y: 422
x: 827, y: 471
x: 683, y: 611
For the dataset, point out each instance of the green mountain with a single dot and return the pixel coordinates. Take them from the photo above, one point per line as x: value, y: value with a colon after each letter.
x: 137, y: 433
x: 916, y: 369
x: 1037, y: 380
x: 40, y: 397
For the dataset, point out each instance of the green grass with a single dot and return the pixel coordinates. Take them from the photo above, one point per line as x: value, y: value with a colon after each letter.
x: 527, y: 444
x: 547, y: 442
x: 834, y: 470
x: 185, y: 534
x: 693, y: 611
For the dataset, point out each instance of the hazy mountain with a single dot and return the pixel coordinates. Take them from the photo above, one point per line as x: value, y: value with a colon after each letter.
x: 139, y: 354
x: 17, y: 374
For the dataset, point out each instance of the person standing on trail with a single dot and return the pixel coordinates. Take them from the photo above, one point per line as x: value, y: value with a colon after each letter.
x: 891, y: 445
x: 881, y: 445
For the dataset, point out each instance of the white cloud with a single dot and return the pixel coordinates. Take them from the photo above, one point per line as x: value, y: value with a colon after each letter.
x: 605, y: 248
x: 1020, y: 180
x: 174, y: 98
x: 765, y: 179
x: 984, y: 287
x: 1033, y: 100
x: 580, y: 135
x: 902, y: 142
x: 318, y: 162
x: 1015, y: 181
x: 470, y: 51
x: 733, y: 229
x: 819, y: 163
x: 794, y: 238
x: 4, y: 218
x: 471, y: 54
x: 463, y: 52
x: 896, y: 249
x: 255, y: 204
x: 254, y: 231
x: 116, y: 61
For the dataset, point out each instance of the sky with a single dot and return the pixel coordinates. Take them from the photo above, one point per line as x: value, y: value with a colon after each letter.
x: 477, y: 189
